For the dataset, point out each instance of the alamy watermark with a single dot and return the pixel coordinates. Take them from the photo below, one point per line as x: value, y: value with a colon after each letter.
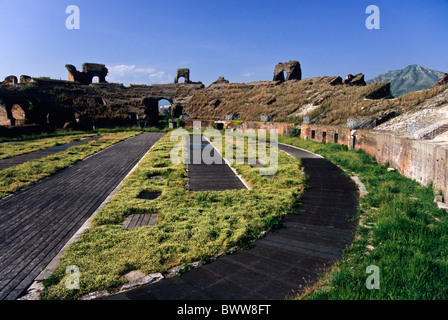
x: 373, y: 20
x: 72, y: 281
x: 73, y: 21
x: 373, y: 280
x: 250, y: 146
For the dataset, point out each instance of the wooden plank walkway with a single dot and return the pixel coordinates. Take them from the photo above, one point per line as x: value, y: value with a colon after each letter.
x: 216, y: 177
x: 284, y: 261
x: 39, y: 154
x: 36, y: 222
x: 139, y: 220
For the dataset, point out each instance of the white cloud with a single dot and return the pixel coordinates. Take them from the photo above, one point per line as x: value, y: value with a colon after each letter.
x: 248, y: 74
x: 160, y: 77
x: 131, y: 74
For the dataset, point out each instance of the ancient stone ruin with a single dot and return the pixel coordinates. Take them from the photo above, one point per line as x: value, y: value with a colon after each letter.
x: 26, y: 79
x: 292, y: 69
x: 354, y: 80
x: 9, y: 81
x: 183, y: 73
x: 443, y: 80
x: 221, y: 80
x: 80, y: 103
x: 43, y: 103
x: 89, y: 71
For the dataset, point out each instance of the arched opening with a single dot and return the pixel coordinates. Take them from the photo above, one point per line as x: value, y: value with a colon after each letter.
x: 96, y: 79
x: 285, y: 75
x: 181, y: 80
x: 4, y: 120
x: 177, y: 111
x: 18, y: 115
x: 164, y: 107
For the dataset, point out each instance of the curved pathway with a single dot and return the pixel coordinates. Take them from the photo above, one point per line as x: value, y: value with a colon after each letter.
x: 36, y: 222
x: 287, y: 259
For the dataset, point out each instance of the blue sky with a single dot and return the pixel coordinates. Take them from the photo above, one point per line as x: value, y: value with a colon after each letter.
x: 145, y: 42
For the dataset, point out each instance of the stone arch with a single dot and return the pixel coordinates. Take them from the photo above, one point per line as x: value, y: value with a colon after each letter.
x: 168, y: 110
x: 177, y: 110
x: 152, y: 109
x: 18, y: 115
x: 95, y: 79
x: 292, y: 69
x: 89, y: 71
x: 5, y: 119
x: 20, y: 110
x: 183, y: 73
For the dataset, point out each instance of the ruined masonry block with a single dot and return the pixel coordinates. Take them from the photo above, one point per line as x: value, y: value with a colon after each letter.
x: 292, y: 69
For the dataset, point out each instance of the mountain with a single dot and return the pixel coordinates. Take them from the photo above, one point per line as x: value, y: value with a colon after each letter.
x: 411, y: 78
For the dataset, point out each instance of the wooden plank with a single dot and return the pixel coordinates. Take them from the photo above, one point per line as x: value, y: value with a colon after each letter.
x: 126, y: 222
x: 287, y: 259
x: 34, y: 233
x: 146, y: 219
x: 203, y: 177
x: 153, y: 219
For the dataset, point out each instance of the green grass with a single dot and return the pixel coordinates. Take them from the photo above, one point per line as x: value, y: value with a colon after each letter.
x: 70, y: 132
x: 23, y: 175
x: 8, y: 150
x: 42, y: 135
x: 191, y: 226
x: 402, y: 232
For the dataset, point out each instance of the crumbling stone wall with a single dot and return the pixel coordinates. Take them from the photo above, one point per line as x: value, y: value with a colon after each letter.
x: 9, y: 81
x: 327, y: 134
x: 292, y: 69
x: 282, y: 127
x: 5, y: 119
x: 354, y: 80
x: 89, y: 71
x: 423, y: 161
x: 183, y: 73
x: 442, y: 81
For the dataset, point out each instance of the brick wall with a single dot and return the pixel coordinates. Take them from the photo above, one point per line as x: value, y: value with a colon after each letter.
x: 283, y: 128
x: 421, y: 160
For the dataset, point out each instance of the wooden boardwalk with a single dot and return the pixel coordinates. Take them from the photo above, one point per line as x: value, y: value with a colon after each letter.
x: 35, y: 223
x: 283, y: 262
x: 216, y: 177
x: 39, y: 154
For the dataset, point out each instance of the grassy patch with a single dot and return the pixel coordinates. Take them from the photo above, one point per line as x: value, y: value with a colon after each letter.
x: 401, y: 231
x: 42, y: 135
x: 8, y: 150
x: 192, y: 226
x: 23, y: 175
